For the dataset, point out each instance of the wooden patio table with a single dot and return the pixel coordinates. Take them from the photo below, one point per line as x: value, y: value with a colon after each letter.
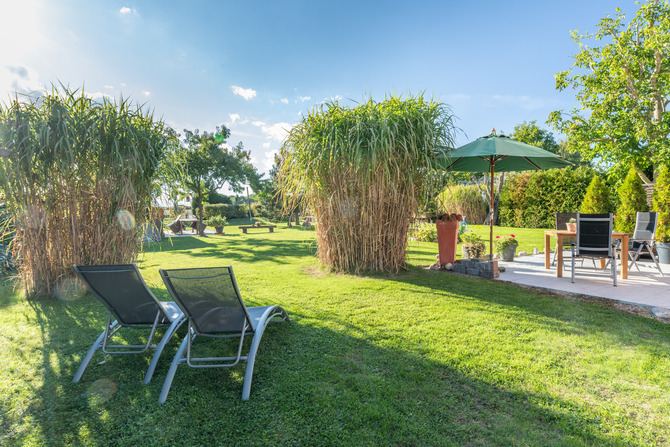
x: 561, y: 234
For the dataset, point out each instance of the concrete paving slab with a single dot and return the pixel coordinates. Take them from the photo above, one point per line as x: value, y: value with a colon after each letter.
x: 646, y: 287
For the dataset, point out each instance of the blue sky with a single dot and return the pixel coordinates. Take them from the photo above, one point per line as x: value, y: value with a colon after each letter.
x: 257, y: 66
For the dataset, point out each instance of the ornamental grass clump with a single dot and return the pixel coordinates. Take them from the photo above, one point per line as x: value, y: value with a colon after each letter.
x: 77, y: 180
x: 362, y: 170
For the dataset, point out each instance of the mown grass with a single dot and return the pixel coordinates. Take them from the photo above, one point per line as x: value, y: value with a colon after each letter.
x: 418, y: 358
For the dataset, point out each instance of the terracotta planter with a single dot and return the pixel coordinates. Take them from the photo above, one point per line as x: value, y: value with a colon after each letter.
x: 447, y: 240
x: 571, y: 226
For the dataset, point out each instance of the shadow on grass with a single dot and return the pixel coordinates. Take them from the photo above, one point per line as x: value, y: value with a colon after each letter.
x: 312, y: 386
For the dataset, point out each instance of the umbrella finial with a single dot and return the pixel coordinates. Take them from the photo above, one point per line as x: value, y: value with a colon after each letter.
x: 493, y: 131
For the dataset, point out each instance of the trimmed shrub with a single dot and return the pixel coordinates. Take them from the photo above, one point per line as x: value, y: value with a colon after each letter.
x: 597, y: 198
x: 632, y: 198
x: 661, y: 204
x: 466, y: 200
x: 227, y: 210
x: 531, y: 199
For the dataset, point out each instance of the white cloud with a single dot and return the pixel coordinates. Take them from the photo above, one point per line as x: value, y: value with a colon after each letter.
x: 245, y: 93
x: 233, y: 117
x: 126, y: 10
x: 284, y: 100
x: 109, y: 86
x: 146, y: 92
x: 266, y: 145
x: 99, y: 95
x: 305, y: 98
x: 269, y: 160
x: 19, y: 79
x: 276, y: 132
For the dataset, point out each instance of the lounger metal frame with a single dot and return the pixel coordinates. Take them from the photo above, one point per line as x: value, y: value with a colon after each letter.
x: 254, y: 323
x: 168, y: 315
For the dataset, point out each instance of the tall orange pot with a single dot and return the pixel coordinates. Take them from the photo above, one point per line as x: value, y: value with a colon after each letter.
x: 447, y: 240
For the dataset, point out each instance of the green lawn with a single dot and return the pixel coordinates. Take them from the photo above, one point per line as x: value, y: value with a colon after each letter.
x: 418, y: 358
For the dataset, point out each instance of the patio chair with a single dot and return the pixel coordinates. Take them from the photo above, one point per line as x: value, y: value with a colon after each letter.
x: 643, y: 237
x: 211, y: 300
x: 177, y: 226
x: 594, y: 240
x: 121, y: 289
x: 561, y: 219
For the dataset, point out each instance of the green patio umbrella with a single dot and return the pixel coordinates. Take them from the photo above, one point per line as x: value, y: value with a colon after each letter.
x: 500, y: 153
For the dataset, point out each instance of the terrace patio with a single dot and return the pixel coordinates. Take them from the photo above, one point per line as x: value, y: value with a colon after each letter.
x: 647, y: 291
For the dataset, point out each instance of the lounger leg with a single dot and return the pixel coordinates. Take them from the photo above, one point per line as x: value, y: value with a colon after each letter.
x: 179, y: 357
x: 89, y: 355
x: 251, y: 359
x: 159, y: 348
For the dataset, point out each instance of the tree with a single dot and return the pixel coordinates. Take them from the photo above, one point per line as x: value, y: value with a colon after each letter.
x: 632, y: 198
x: 208, y: 165
x: 531, y: 133
x: 597, y: 198
x: 624, y: 90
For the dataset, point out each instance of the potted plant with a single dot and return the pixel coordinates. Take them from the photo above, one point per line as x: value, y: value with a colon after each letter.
x: 506, y: 246
x: 661, y: 204
x: 473, y: 246
x: 218, y: 222
x: 447, y: 236
x: 571, y: 225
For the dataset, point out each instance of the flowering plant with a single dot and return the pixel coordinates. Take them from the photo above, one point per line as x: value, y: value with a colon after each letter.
x: 502, y: 243
x: 446, y: 217
x: 572, y: 220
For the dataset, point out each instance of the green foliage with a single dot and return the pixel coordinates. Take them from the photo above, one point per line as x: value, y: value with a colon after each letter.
x: 531, y: 200
x: 217, y: 221
x: 531, y: 133
x: 362, y: 172
x: 632, y: 198
x: 623, y: 87
x: 502, y: 242
x: 426, y: 232
x: 466, y: 200
x: 597, y: 198
x: 226, y: 210
x: 661, y: 204
x: 78, y: 181
x: 209, y: 165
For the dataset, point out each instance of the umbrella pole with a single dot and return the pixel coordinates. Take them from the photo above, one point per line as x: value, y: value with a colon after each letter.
x: 491, y: 218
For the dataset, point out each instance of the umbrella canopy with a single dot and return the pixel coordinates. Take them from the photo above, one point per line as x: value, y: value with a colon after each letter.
x: 500, y: 153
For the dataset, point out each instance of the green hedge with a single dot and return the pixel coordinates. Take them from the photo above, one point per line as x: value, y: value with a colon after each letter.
x: 227, y: 210
x: 530, y: 200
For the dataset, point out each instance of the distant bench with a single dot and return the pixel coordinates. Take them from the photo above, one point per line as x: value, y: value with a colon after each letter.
x: 244, y: 228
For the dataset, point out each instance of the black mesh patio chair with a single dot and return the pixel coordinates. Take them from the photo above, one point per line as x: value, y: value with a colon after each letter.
x: 594, y: 240
x: 561, y: 219
x: 643, y: 237
x: 211, y: 300
x: 121, y: 289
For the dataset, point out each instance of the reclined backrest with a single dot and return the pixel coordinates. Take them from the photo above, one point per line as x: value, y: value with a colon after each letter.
x: 645, y: 226
x: 210, y: 298
x: 122, y: 290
